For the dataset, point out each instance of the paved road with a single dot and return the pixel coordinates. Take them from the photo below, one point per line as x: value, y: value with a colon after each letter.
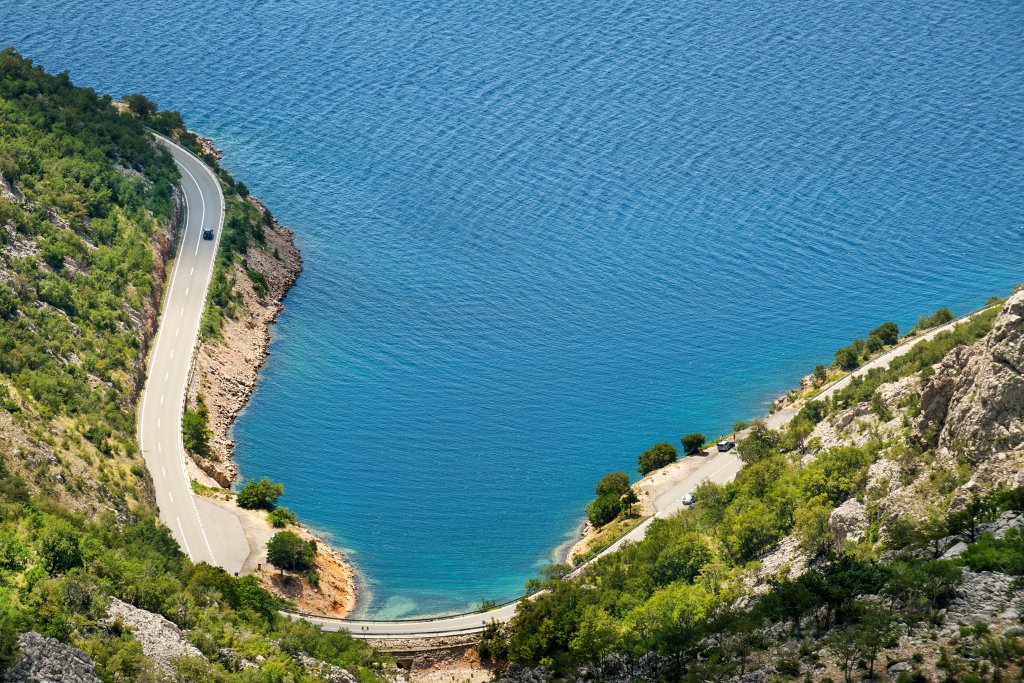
x: 719, y: 468
x: 781, y: 419
x: 207, y: 533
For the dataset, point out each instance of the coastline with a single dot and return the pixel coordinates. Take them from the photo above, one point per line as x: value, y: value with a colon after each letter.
x: 225, y: 373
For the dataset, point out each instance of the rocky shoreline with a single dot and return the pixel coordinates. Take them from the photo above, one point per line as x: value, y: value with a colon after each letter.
x: 225, y: 373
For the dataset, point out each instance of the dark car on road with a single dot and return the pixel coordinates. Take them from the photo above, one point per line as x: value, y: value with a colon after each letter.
x: 207, y: 233
x: 724, y: 446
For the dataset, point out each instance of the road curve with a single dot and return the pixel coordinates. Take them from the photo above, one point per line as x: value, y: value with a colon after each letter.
x: 206, y: 533
x: 213, y: 535
x: 720, y: 468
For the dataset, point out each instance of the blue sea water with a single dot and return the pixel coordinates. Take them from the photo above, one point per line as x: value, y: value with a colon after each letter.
x: 540, y: 236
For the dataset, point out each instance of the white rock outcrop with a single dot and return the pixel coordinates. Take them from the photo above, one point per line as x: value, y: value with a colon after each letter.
x: 848, y: 522
x: 160, y: 638
x: 47, y: 660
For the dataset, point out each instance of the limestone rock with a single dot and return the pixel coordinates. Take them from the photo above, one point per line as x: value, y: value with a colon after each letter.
x: 327, y: 671
x: 974, y: 404
x: 986, y: 597
x: 848, y: 522
x: 47, y: 660
x: 160, y: 638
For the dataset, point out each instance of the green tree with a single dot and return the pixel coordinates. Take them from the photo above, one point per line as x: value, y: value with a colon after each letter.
x: 682, y: 559
x: 875, y: 632
x: 260, y: 495
x: 811, y: 525
x: 629, y: 499
x: 616, y: 482
x: 287, y: 550
x: 596, y: 635
x: 13, y: 553
x: 604, y: 509
x: 140, y: 105
x: 58, y: 547
x: 8, y: 303
x: 940, y: 317
x: 888, y: 333
x: 820, y: 374
x: 847, y: 358
x: 692, y: 443
x: 759, y: 444
x: 657, y: 456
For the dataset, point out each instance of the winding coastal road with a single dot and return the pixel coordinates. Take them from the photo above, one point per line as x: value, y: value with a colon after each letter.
x: 206, y: 533
x: 214, y: 535
x: 720, y: 468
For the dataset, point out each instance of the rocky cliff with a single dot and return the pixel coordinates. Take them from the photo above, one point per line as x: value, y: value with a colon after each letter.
x: 973, y: 407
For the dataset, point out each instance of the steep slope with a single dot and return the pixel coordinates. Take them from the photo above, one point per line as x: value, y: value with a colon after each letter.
x: 880, y: 535
x: 91, y: 586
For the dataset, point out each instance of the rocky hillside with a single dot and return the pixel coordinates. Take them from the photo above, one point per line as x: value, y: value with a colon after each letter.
x: 880, y: 536
x: 92, y: 587
x: 88, y: 215
x: 972, y: 410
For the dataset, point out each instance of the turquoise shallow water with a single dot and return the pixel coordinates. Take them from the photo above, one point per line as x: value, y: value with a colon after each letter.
x: 541, y: 236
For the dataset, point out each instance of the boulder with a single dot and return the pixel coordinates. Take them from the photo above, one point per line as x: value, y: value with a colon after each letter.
x: 848, y: 522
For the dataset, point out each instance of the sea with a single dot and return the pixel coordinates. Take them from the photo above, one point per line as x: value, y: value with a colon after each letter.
x: 540, y: 236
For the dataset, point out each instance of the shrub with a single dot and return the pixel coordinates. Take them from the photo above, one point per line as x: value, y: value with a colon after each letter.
x: 616, y: 482
x: 58, y: 548
x: 259, y: 282
x: 692, y: 443
x: 940, y: 317
x: 287, y: 550
x: 282, y: 517
x: 847, y: 358
x: 195, y: 432
x: 888, y: 333
x: 657, y: 456
x: 262, y: 494
x: 604, y: 509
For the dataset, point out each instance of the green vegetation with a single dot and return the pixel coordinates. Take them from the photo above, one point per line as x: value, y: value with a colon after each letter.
x: 657, y: 456
x: 58, y: 572
x: 940, y: 317
x: 281, y: 517
x: 604, y: 509
x: 287, y: 550
x: 195, y: 430
x: 920, y: 359
x: 260, y: 495
x: 820, y: 374
x: 86, y: 197
x: 679, y: 586
x: 693, y: 443
x: 616, y: 483
x: 243, y: 227
x: 86, y: 212
x: 677, y: 590
x: 850, y: 357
